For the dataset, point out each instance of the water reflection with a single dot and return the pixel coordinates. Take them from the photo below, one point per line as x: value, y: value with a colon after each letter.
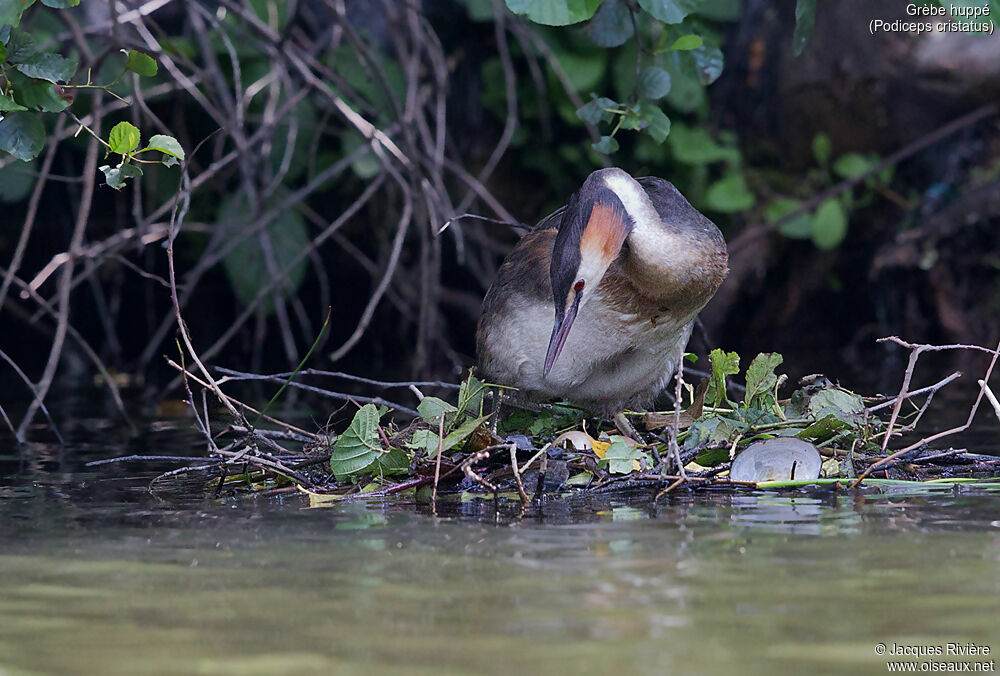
x: 99, y: 576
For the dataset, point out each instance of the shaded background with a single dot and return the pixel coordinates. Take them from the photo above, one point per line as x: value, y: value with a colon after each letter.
x: 289, y: 209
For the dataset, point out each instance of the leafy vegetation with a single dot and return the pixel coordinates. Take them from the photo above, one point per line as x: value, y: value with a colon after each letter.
x: 33, y: 79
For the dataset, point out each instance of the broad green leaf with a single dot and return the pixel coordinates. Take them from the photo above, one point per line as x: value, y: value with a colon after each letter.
x: 598, y: 110
x: 657, y: 122
x: 426, y: 441
x: 729, y: 194
x: 142, y: 64
x: 115, y: 177
x: 624, y: 458
x: 479, y: 11
x: 3, y: 52
x: 585, y: 70
x: 612, y: 24
x: 49, y: 66
x: 723, y: 364
x: 20, y: 45
x: 606, y: 145
x: 822, y: 428
x: 16, y: 181
x: 709, y: 61
x: 9, y: 105
x: 686, y: 43
x: 395, y: 461
x: 247, y: 267
x: 554, y: 12
x: 851, y: 165
x: 38, y: 94
x: 61, y: 4
x: 841, y: 404
x: 459, y: 434
x: 22, y: 135
x: 829, y: 224
x: 805, y: 17
x: 167, y: 145
x: 761, y: 378
x: 11, y: 10
x: 799, y: 227
x: 358, y: 447
x: 669, y: 11
x: 687, y: 93
x: 694, y: 145
x: 654, y: 83
x: 432, y: 408
x: 822, y: 148
x: 124, y: 138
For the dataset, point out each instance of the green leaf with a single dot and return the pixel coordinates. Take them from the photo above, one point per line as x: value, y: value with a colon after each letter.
x: 622, y: 457
x: 669, y: 11
x: 654, y: 83
x: 805, y: 17
x: 11, y: 11
x: 761, y: 378
x: 358, y: 447
x: 3, y: 52
x: 694, y: 145
x: 124, y: 138
x: 167, y: 145
x: 686, y: 43
x: 852, y: 165
x: 7, y: 104
x: 799, y: 227
x: 612, y: 24
x: 657, y: 122
x: 606, y: 145
x: 432, y: 408
x: 829, y: 224
x: 723, y: 364
x: 424, y: 440
x: 115, y: 177
x: 247, y: 266
x: 16, y: 181
x: 709, y: 61
x: 395, y: 461
x: 61, y: 4
x: 22, y: 135
x: 20, y: 45
x: 49, y: 66
x: 554, y: 12
x: 458, y: 435
x: 841, y: 404
x: 38, y: 94
x: 822, y: 148
x: 729, y: 194
x: 140, y: 63
x: 598, y: 110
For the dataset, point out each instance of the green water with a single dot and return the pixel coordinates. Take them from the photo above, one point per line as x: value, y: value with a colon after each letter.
x: 98, y: 576
x: 731, y: 584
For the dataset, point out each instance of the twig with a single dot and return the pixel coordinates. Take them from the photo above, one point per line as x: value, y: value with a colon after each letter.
x: 915, y: 350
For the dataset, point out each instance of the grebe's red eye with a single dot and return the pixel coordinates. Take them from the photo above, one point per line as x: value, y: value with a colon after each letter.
x: 578, y: 286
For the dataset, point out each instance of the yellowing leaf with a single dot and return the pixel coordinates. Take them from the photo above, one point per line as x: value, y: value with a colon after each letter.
x: 600, y: 448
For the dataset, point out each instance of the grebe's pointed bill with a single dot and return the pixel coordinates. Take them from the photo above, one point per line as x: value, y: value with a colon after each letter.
x: 560, y: 331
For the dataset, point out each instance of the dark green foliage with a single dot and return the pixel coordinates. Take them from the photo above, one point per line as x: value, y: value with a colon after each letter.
x: 22, y: 135
x: 247, y: 265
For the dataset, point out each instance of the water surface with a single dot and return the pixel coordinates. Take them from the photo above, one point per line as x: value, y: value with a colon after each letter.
x: 97, y: 576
